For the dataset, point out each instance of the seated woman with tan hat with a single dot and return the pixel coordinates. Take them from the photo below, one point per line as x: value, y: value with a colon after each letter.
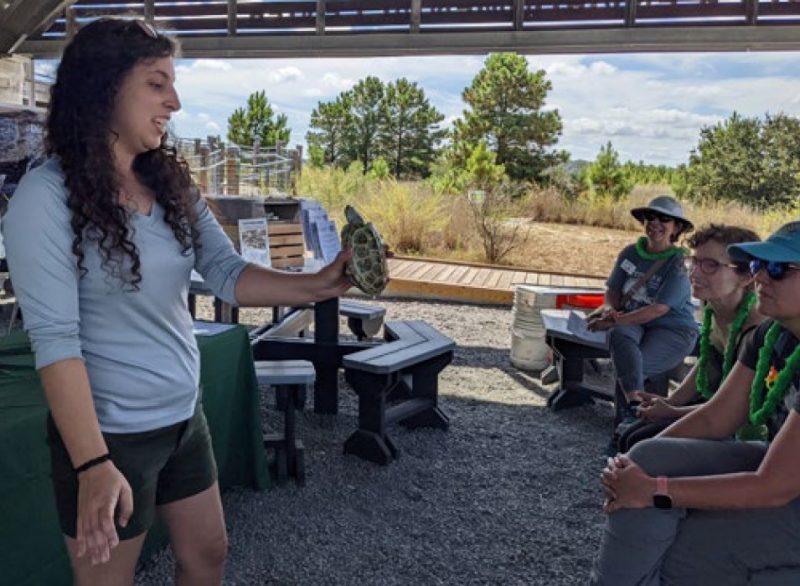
x: 648, y: 309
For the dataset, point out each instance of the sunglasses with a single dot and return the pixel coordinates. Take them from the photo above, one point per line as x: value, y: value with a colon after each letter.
x: 147, y: 28
x: 776, y: 271
x: 707, y: 266
x: 652, y: 216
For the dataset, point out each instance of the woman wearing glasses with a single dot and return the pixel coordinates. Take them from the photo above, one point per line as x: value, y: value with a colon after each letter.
x: 648, y: 309
x: 693, y: 506
x: 728, y: 317
x: 101, y: 240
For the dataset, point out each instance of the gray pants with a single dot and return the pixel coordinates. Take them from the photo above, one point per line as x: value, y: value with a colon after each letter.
x: 648, y: 547
x: 639, y: 352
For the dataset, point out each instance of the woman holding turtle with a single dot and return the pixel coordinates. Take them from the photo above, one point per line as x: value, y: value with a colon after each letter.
x: 692, y: 506
x: 728, y: 317
x: 101, y: 240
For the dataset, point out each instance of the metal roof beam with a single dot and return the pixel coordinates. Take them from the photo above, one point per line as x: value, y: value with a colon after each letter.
x: 637, y: 39
x: 21, y: 18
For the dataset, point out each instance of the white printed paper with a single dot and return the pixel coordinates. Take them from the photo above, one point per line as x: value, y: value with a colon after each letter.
x: 576, y: 325
x: 254, y: 241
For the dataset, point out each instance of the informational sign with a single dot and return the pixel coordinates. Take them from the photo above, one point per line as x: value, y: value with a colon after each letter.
x: 254, y: 241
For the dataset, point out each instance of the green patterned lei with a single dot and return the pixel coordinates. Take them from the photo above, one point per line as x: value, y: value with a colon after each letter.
x: 641, y: 250
x: 763, y: 405
x: 742, y: 313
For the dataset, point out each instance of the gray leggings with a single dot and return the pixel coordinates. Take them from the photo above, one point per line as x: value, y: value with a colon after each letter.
x: 648, y: 547
x: 639, y: 352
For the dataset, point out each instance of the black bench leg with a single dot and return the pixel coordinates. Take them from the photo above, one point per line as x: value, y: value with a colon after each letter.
x: 357, y: 328
x: 569, y: 395
x: 425, y: 385
x: 370, y: 441
x: 289, y: 451
x: 326, y: 331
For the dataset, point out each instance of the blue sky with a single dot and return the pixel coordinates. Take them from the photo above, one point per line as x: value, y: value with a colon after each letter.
x: 650, y: 106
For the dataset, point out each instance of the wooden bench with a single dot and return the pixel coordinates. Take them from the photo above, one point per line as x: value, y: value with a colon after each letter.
x: 364, y: 320
x: 404, y: 372
x: 290, y: 378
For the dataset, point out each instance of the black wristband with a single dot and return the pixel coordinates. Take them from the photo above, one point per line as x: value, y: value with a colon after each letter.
x: 93, y: 462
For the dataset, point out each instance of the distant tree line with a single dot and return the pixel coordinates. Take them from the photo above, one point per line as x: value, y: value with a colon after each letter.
x: 506, y: 134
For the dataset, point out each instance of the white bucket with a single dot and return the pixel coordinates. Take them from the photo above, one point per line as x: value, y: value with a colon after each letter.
x: 528, y: 348
x: 528, y: 352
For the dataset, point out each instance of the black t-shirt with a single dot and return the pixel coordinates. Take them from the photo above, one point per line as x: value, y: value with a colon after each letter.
x: 784, y: 346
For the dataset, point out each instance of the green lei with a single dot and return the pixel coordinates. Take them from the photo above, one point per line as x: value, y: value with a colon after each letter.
x: 641, y: 250
x: 742, y: 313
x: 762, y: 405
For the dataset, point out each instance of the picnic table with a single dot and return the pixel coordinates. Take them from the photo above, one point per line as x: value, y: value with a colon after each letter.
x: 570, y: 352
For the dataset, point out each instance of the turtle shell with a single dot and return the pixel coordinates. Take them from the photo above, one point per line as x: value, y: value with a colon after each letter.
x: 367, y: 269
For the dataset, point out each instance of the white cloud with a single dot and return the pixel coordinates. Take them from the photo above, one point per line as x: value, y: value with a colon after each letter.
x: 335, y: 81
x: 213, y: 126
x: 284, y: 74
x: 212, y: 64
x: 313, y: 92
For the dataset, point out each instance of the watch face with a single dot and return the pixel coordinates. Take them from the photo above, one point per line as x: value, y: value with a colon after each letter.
x: 662, y: 501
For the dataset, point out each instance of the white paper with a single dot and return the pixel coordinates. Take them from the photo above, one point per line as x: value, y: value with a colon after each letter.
x: 328, y: 240
x: 576, y: 325
x: 254, y: 241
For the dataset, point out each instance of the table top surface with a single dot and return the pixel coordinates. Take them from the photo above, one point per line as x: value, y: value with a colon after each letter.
x: 555, y: 324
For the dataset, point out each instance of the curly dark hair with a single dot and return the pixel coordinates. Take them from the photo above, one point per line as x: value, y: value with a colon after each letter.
x: 92, y: 69
x: 725, y: 235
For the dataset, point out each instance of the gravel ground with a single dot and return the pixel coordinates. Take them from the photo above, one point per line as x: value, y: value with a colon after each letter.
x: 509, y: 495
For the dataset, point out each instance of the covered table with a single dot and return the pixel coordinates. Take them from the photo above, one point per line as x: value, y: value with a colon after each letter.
x: 32, y: 549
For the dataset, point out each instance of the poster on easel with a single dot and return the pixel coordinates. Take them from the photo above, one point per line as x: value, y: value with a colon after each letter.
x: 254, y: 241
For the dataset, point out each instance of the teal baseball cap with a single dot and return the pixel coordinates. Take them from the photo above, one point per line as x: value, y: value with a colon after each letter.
x: 782, y: 246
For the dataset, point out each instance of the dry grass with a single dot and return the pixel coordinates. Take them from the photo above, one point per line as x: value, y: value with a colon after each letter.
x: 582, y: 235
x: 547, y: 205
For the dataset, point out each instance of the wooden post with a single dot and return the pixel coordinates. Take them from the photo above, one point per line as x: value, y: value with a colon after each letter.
x: 150, y: 11
x: 298, y: 159
x: 630, y: 12
x: 32, y: 82
x: 203, y: 175
x: 416, y: 15
x: 320, y: 17
x: 751, y: 8
x: 519, y: 14
x: 72, y: 23
x: 279, y: 148
x: 231, y: 17
x: 232, y: 171
x: 255, y: 177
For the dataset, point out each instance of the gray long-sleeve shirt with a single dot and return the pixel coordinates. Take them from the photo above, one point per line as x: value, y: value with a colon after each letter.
x: 138, y: 346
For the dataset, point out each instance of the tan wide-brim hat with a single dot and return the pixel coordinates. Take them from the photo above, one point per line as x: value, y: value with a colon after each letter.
x: 666, y: 205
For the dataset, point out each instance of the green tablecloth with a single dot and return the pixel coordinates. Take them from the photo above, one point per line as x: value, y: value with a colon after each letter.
x: 32, y: 550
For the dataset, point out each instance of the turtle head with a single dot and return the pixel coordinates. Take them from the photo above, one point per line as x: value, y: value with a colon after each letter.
x: 353, y: 217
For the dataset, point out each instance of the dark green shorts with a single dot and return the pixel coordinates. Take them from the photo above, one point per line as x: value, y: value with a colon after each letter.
x: 162, y: 466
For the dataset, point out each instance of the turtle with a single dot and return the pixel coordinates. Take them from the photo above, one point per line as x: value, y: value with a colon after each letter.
x: 367, y: 269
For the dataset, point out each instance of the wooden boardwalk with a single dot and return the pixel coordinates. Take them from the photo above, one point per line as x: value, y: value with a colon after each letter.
x: 474, y: 283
